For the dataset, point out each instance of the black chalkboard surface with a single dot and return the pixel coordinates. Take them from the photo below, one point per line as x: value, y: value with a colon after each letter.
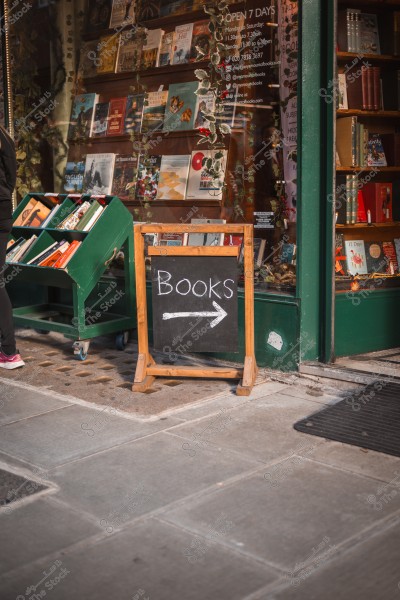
x: 195, y: 306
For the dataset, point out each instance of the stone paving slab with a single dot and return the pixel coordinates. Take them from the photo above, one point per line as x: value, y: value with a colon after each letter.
x: 133, y: 479
x: 19, y: 403
x: 261, y: 429
x: 282, y: 517
x: 368, y: 572
x: 36, y: 529
x: 63, y: 435
x: 149, y: 557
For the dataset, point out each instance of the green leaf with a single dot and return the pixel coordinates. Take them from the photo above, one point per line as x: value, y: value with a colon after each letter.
x: 202, y: 91
x: 215, y: 58
x: 225, y: 129
x: 201, y: 74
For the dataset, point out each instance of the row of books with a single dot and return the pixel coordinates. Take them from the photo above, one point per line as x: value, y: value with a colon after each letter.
x: 57, y: 254
x: 178, y: 108
x: 104, y: 14
x: 370, y: 202
x: 131, y: 51
x: 37, y: 214
x: 360, y: 32
x: 356, y: 146
x: 167, y: 177
x: 358, y: 257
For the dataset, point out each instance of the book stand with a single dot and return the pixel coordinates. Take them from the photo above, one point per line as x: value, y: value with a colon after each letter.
x: 147, y: 369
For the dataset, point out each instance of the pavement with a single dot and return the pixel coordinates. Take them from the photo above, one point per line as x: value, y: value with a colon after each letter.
x: 218, y: 498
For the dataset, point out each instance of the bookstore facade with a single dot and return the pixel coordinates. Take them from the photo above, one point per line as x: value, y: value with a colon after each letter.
x: 277, y: 113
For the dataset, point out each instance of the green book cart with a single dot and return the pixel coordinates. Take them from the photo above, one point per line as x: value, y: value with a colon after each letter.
x: 112, y: 232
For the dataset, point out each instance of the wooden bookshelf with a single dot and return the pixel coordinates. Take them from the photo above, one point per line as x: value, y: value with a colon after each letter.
x: 354, y: 112
x: 368, y: 226
x: 368, y: 169
x: 343, y: 57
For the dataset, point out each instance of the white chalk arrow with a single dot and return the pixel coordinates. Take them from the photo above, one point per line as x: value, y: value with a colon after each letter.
x: 219, y: 314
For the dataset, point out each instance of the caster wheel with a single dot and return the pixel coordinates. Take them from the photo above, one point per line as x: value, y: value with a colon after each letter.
x: 81, y: 355
x: 121, y: 340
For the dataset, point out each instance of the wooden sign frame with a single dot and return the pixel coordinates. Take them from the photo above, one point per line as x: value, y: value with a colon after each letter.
x: 147, y: 369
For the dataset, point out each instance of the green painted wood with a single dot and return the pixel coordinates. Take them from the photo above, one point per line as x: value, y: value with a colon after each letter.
x: 310, y: 258
x: 367, y: 321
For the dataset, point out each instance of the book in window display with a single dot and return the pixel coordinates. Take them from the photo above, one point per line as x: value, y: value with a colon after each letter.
x: 368, y: 35
x: 99, y: 169
x: 73, y: 177
x: 154, y: 111
x: 134, y: 113
x: 88, y: 59
x: 116, y: 116
x: 183, y: 44
x: 175, y: 7
x: 82, y: 116
x: 98, y: 14
x: 201, y: 39
x: 100, y: 121
x: 376, y: 260
x: 123, y: 13
x: 174, y: 173
x: 376, y: 154
x: 201, y: 185
x: 148, y: 10
x: 181, y: 106
x: 148, y: 178
x: 355, y: 256
x: 129, y: 53
x: 124, y: 175
x: 108, y: 54
x: 167, y: 49
x: 151, y: 49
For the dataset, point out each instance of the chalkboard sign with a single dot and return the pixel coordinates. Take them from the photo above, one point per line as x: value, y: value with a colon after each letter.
x: 195, y: 306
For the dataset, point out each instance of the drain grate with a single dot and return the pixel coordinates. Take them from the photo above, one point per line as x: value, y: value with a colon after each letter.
x: 46, y: 363
x: 14, y: 487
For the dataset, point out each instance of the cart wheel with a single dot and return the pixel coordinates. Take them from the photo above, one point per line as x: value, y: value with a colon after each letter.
x: 121, y: 340
x: 81, y: 355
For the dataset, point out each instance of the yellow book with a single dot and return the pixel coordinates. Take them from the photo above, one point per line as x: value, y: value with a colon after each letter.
x: 108, y: 54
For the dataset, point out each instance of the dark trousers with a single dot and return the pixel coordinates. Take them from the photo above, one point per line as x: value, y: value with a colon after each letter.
x: 6, y: 321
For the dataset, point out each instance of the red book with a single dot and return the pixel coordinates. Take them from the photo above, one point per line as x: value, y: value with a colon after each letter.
x: 364, y: 86
x: 370, y: 93
x: 116, y: 116
x: 66, y: 257
x: 378, y: 199
x: 390, y: 253
x: 361, y: 212
x: 376, y: 87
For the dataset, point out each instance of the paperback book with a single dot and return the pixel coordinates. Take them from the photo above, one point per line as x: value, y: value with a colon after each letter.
x: 355, y: 257
x: 376, y: 260
x: 154, y: 111
x: 368, y: 42
x: 376, y: 154
x: 73, y: 177
x: 148, y: 178
x: 124, y: 175
x: 116, y: 116
x: 129, y: 53
x: 108, y: 54
x: 151, y: 48
x: 100, y: 121
x: 82, y: 113
x: 99, y: 169
x: 181, y: 106
x: 203, y: 238
x: 183, y: 44
x: 33, y: 215
x: 167, y: 49
x: 201, y: 185
x: 174, y: 172
x: 205, y: 104
x: 134, y: 113
x: 201, y: 39
x: 123, y: 13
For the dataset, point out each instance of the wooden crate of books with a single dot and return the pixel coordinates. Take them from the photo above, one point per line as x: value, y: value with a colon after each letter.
x: 68, y: 242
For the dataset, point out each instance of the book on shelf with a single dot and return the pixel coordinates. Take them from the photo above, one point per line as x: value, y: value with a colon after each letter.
x: 73, y: 176
x: 183, y: 44
x: 82, y: 113
x: 33, y: 215
x: 390, y: 253
x: 206, y: 239
x: 201, y: 40
x: 363, y: 87
x: 348, y: 28
x: 376, y: 259
x: 201, y: 186
x: 108, y: 54
x: 175, y: 7
x: 87, y: 59
x: 376, y: 154
x: 129, y: 53
x: 99, y: 169
x: 367, y: 40
x: 361, y: 212
x: 173, y: 178
x: 345, y: 140
x: 148, y: 10
x: 391, y: 146
x: 396, y: 243
x: 148, y: 178
x: 181, y: 106
x: 116, y: 116
x: 66, y: 256
x: 355, y: 257
x: 134, y: 113
x: 100, y: 119
x: 205, y: 104
x: 167, y: 49
x: 154, y: 111
x: 340, y: 257
x: 124, y: 175
x: 378, y: 200
x: 342, y: 92
x: 151, y: 48
x: 98, y: 15
x: 122, y: 13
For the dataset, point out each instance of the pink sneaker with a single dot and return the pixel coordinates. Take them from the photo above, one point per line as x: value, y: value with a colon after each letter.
x: 11, y: 362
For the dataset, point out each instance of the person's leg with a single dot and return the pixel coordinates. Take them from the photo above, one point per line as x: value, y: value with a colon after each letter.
x: 8, y: 346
